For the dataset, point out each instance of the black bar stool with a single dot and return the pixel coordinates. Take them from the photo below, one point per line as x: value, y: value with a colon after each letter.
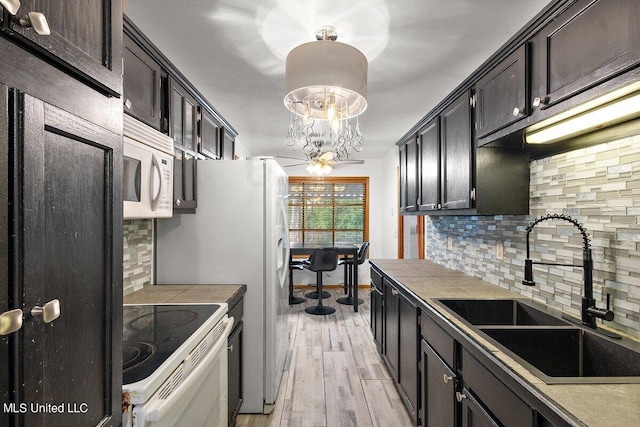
x: 322, y: 259
x: 349, y: 265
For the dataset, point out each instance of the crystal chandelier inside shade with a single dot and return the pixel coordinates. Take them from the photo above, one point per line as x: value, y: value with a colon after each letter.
x: 326, y: 86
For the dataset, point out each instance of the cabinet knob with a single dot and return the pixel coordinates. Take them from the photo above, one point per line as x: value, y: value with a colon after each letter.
x: 177, y: 202
x: 127, y: 103
x: 517, y: 111
x: 537, y: 101
x: 230, y: 348
x: 394, y: 292
x: 10, y: 321
x: 447, y: 378
x: 11, y: 6
x: 460, y: 396
x: 37, y: 21
x: 49, y: 312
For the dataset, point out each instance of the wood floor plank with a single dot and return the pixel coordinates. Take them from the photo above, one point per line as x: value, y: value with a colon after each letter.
x: 345, y: 401
x: 304, y: 403
x: 385, y: 405
x: 334, y: 375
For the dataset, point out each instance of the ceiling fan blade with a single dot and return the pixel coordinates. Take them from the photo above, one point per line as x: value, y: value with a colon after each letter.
x: 353, y: 162
x: 292, y: 158
x: 297, y: 164
x: 326, y: 157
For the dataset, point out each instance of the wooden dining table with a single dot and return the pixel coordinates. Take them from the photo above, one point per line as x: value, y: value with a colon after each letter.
x: 348, y: 250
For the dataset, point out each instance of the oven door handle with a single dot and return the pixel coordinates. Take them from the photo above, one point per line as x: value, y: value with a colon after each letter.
x: 161, y: 407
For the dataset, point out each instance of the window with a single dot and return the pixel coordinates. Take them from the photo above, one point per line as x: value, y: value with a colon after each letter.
x: 328, y: 210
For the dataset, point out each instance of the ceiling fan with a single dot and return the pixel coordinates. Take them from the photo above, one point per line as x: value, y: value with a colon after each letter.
x: 321, y: 163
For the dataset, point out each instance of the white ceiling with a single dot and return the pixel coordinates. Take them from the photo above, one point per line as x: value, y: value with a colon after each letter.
x: 234, y: 52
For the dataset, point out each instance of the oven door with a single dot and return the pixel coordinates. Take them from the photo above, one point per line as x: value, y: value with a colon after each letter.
x: 147, y: 181
x: 200, y: 399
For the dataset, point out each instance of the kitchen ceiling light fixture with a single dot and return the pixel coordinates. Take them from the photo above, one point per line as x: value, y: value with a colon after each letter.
x: 326, y: 91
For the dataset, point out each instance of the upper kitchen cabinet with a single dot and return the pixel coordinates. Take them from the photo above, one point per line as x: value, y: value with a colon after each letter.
x: 210, y: 135
x: 588, y: 43
x: 144, y: 94
x: 85, y: 39
x: 501, y: 96
x: 429, y: 166
x: 183, y: 125
x: 228, y: 142
x: 408, y: 175
x: 456, y: 185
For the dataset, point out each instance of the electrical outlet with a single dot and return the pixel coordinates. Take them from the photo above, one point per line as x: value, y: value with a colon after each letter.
x: 449, y: 243
x: 499, y: 250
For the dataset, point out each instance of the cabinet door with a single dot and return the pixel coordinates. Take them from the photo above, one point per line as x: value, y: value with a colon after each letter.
x: 590, y: 42
x: 4, y: 252
x: 377, y: 317
x: 67, y: 246
x: 85, y: 39
x: 209, y: 135
x: 409, y: 175
x: 228, y: 143
x: 438, y: 390
x: 402, y: 181
x: 457, y: 155
x: 183, y: 130
x: 501, y: 96
x: 473, y: 414
x: 429, y: 166
x: 409, y: 353
x: 235, y: 373
x: 391, y: 328
x: 142, y: 85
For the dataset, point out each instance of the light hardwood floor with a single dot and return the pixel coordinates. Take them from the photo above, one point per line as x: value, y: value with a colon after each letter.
x: 334, y: 376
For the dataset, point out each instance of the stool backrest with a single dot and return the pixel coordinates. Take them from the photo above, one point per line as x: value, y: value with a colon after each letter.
x: 324, y: 259
x: 362, y: 252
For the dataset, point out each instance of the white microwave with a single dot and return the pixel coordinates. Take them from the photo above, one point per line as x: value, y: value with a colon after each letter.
x: 148, y: 171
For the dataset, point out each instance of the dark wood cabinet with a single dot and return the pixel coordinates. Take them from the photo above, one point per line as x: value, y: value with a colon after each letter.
x: 377, y: 317
x: 473, y: 414
x: 409, y: 354
x: 235, y: 371
x: 143, y: 91
x: 429, y: 166
x: 439, y: 385
x: 65, y: 239
x: 501, y: 96
x: 210, y: 135
x: 586, y: 44
x: 457, y: 155
x: 228, y: 145
x: 183, y: 125
x: 409, y: 175
x: 85, y: 40
x: 391, y: 328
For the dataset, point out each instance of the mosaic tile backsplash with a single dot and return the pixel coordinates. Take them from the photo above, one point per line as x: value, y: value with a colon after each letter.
x: 137, y: 254
x: 598, y: 186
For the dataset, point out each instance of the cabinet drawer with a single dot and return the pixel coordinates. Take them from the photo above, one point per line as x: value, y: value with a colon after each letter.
x: 497, y: 397
x: 236, y: 312
x: 438, y: 339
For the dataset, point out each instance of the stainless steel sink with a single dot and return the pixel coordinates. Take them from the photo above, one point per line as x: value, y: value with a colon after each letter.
x: 570, y: 354
x: 501, y: 312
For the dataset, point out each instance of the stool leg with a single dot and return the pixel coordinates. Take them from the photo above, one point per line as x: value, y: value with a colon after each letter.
x: 293, y: 299
x: 319, y: 309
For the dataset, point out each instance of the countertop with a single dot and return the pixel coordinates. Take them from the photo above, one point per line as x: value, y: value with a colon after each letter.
x: 593, y: 405
x: 156, y: 294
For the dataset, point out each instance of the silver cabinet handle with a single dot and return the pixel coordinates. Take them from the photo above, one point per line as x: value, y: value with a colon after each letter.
x: 49, y: 312
x: 516, y: 112
x: 394, y: 292
x: 12, y: 6
x: 230, y: 348
x: 10, y: 321
x: 446, y: 378
x: 127, y: 103
x: 37, y: 21
x: 460, y: 396
x: 538, y: 101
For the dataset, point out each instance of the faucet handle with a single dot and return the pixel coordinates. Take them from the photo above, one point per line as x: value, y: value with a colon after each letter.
x: 528, y: 273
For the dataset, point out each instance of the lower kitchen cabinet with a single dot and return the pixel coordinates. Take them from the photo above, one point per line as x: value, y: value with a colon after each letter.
x: 391, y: 328
x: 439, y: 385
x: 377, y: 316
x: 473, y: 414
x: 235, y: 361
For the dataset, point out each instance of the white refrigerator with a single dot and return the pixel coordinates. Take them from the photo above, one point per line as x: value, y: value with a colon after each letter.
x: 239, y: 235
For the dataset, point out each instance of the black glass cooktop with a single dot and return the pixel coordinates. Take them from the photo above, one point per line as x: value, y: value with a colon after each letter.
x: 153, y: 332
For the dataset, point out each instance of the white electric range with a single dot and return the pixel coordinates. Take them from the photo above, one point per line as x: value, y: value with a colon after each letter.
x: 175, y: 364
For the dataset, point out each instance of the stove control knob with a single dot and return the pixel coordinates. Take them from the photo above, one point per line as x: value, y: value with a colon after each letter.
x: 49, y: 312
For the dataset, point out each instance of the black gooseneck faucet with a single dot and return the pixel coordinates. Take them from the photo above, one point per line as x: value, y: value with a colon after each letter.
x: 589, y: 310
